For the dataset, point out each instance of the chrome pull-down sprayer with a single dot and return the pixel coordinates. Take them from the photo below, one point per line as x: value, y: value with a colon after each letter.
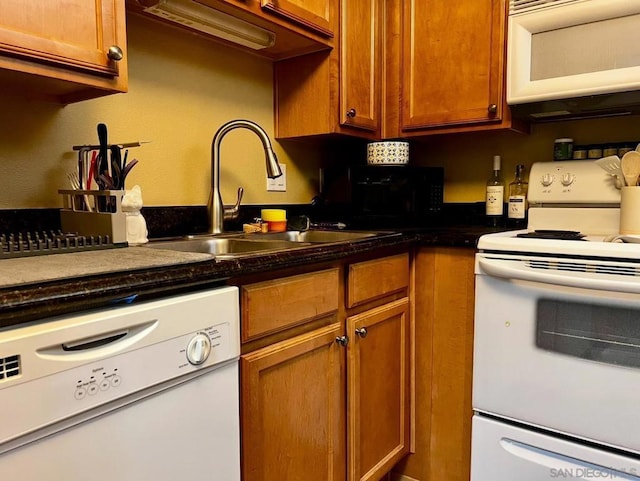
x: 217, y: 211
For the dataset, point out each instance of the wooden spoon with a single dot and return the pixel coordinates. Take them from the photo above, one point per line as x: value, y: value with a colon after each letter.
x: 630, y: 165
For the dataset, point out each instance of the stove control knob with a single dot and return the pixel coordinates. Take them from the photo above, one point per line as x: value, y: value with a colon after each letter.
x: 567, y: 179
x: 198, y: 349
x: 547, y: 180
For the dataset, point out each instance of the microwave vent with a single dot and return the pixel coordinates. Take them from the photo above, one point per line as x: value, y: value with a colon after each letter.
x: 522, y: 6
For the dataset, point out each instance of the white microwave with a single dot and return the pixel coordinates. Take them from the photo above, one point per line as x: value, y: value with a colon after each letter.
x: 578, y: 50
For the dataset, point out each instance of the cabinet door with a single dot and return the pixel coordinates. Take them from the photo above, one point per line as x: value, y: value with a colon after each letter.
x: 378, y: 390
x: 292, y: 409
x: 71, y: 34
x: 453, y: 62
x: 312, y: 14
x: 360, y: 74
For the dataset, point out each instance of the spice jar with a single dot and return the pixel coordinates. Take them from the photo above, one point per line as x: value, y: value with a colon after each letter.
x: 580, y: 152
x: 609, y: 149
x: 625, y: 147
x: 594, y: 152
x: 563, y: 149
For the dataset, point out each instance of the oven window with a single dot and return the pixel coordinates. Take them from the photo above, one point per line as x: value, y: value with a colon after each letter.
x: 598, y: 333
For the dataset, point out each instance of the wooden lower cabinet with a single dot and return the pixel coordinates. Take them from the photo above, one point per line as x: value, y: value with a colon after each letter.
x: 327, y: 397
x: 293, y: 424
x: 443, y: 355
x: 378, y: 390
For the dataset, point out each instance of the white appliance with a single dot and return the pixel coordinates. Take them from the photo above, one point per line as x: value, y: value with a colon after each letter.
x: 582, y: 50
x: 556, y: 384
x: 146, y: 391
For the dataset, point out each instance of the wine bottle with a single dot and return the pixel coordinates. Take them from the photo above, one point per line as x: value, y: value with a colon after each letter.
x: 517, y: 209
x: 494, y: 201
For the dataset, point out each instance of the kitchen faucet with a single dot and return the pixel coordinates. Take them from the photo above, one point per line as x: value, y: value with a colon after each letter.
x: 217, y: 211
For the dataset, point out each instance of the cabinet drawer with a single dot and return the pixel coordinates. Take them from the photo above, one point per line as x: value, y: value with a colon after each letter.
x: 373, y: 279
x: 272, y: 306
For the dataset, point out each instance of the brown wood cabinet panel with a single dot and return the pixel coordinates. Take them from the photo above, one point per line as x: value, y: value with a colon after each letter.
x: 374, y: 279
x: 453, y: 59
x: 445, y: 68
x: 65, y: 40
x: 360, y: 72
x: 275, y: 305
x: 444, y: 310
x: 312, y: 14
x: 293, y: 425
x: 335, y: 92
x: 378, y: 390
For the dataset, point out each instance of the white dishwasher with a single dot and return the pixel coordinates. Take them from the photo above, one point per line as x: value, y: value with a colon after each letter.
x: 140, y: 392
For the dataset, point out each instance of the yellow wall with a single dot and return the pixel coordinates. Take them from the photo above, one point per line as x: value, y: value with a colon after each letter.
x: 468, y: 158
x: 182, y: 88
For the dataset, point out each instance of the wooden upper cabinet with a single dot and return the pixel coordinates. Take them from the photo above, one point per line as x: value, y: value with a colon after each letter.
x: 453, y: 62
x: 338, y: 91
x: 312, y: 14
x: 445, y: 67
x: 69, y: 49
x: 360, y: 72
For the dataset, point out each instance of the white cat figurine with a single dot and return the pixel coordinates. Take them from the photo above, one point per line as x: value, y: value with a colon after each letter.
x: 136, y: 225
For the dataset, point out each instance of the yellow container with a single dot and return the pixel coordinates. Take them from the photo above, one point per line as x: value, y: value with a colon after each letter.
x: 274, y: 215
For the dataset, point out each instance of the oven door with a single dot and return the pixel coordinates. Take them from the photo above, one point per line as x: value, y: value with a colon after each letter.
x: 502, y: 452
x: 557, y: 345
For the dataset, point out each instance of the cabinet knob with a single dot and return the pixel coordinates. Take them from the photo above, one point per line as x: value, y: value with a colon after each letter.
x: 342, y: 340
x: 493, y: 108
x: 362, y: 332
x: 115, y: 53
x: 351, y: 113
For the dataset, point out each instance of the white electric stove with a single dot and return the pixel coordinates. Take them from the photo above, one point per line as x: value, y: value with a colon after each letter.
x: 575, y: 200
x: 556, y: 374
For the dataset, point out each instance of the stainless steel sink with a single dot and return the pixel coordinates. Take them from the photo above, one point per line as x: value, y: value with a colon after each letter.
x: 315, y: 236
x: 228, y: 246
x: 225, y: 247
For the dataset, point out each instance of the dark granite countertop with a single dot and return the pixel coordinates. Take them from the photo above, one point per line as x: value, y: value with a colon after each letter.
x: 145, y: 275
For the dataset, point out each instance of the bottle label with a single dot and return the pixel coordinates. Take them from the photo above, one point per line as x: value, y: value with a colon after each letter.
x: 517, y: 206
x: 495, y: 196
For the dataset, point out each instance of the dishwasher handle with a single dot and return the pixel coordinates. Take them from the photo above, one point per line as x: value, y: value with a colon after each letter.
x: 507, y: 270
x: 93, y: 342
x: 97, y: 346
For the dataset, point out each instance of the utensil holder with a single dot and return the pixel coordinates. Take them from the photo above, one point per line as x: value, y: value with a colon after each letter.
x: 630, y: 210
x: 94, y: 213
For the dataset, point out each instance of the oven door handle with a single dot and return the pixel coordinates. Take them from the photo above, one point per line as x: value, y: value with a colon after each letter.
x: 503, y: 269
x: 558, y: 462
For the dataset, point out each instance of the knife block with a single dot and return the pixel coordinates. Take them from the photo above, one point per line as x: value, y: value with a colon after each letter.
x: 94, y: 213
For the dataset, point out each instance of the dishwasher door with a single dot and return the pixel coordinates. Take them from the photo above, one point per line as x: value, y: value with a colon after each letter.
x: 187, y: 431
x: 148, y: 391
